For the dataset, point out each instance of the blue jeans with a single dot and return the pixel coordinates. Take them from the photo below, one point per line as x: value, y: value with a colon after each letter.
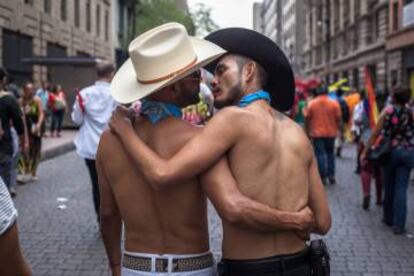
x: 324, y: 151
x: 396, y: 178
x: 57, y: 119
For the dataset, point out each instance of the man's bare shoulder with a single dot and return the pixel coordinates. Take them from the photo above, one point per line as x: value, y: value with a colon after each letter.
x: 108, y: 141
x: 231, y: 116
x: 177, y: 129
x: 295, y: 135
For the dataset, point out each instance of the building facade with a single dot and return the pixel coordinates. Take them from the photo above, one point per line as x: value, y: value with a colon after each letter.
x: 52, y: 28
x: 268, y: 19
x: 257, y: 19
x: 342, y: 37
x: 124, y: 22
x: 292, y: 32
x: 400, y: 43
x: 282, y: 21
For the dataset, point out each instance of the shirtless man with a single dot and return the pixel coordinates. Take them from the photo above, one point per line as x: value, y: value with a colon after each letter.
x: 269, y: 155
x: 167, y: 231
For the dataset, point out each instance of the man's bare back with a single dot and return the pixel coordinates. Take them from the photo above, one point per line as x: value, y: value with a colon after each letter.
x: 171, y: 221
x: 270, y: 162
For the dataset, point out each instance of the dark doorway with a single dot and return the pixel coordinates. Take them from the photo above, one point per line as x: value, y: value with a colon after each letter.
x: 16, y: 47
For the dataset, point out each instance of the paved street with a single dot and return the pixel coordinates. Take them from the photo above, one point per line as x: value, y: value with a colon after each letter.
x: 66, y: 241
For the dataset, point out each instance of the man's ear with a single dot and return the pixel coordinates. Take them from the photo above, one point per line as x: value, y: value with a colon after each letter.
x: 249, y: 71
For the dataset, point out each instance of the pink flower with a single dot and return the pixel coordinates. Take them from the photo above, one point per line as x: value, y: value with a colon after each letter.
x: 136, y: 106
x: 394, y: 120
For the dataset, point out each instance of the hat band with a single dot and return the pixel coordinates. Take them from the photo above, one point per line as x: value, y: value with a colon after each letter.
x: 169, y: 75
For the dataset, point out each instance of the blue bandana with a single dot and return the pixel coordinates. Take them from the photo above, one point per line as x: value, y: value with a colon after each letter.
x: 258, y: 95
x: 156, y: 111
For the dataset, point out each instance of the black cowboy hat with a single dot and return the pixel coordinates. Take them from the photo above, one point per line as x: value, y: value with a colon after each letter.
x: 245, y: 42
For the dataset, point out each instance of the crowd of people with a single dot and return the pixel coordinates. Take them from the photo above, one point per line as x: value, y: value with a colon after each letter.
x: 38, y: 112
x: 330, y: 117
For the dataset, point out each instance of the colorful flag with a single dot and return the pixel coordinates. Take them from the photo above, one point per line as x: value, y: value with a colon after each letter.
x: 372, y: 102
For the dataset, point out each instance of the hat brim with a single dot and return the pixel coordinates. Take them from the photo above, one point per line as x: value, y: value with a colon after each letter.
x: 125, y: 88
x: 249, y: 43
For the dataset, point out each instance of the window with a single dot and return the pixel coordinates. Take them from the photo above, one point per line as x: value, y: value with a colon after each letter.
x: 336, y: 17
x: 15, y: 47
x: 106, y: 25
x: 346, y: 12
x: 355, y: 77
x: 63, y: 10
x: 395, y: 23
x: 369, y: 37
x: 98, y: 20
x: 55, y: 50
x: 394, y: 78
x: 345, y: 44
x: 357, y: 9
x: 47, y: 6
x: 377, y: 25
x: 28, y: 2
x: 356, y: 39
x: 372, y: 69
x: 88, y: 15
x: 345, y: 75
x: 77, y: 16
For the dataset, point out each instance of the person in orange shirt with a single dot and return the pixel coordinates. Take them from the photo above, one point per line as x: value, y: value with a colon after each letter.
x: 323, y: 117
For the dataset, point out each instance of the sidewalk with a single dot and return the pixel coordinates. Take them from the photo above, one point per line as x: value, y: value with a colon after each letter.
x: 52, y: 147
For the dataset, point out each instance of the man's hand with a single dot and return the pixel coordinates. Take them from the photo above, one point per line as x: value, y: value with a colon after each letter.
x: 306, y: 222
x: 121, y: 119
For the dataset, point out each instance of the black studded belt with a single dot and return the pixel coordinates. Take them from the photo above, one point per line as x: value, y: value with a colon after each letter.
x: 161, y: 264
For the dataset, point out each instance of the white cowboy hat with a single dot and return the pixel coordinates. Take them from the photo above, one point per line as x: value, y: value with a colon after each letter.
x: 158, y: 58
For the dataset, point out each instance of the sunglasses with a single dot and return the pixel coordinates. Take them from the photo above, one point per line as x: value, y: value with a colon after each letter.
x: 195, y: 75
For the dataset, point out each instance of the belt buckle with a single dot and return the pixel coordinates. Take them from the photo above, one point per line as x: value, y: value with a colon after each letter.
x: 161, y: 265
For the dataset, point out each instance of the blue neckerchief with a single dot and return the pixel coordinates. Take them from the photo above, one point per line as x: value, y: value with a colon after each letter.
x: 156, y: 111
x: 258, y: 95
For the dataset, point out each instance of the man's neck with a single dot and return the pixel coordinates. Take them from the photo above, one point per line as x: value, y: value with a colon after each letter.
x: 250, y: 90
x: 103, y: 80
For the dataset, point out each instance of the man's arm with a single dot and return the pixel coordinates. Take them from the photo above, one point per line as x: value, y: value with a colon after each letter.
x: 203, y: 150
x: 16, y: 115
x: 19, y: 124
x: 318, y: 201
x: 220, y: 186
x: 78, y: 110
x: 110, y: 220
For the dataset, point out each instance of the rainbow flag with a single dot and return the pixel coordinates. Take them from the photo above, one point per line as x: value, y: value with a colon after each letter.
x: 372, y: 102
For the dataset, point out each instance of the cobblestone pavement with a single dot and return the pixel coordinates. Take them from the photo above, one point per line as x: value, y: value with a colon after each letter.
x: 67, y: 242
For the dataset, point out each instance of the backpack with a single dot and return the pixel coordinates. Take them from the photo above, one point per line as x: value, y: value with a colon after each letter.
x: 344, y: 110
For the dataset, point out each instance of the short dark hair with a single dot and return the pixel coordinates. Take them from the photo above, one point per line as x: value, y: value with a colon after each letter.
x: 3, y: 73
x: 261, y: 72
x: 103, y: 69
x: 322, y: 90
x: 401, y: 94
x: 25, y: 84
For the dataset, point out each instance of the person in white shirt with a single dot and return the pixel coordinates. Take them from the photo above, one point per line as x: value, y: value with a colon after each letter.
x: 91, y: 111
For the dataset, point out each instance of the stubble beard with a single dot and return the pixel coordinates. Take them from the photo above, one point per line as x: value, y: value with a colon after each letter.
x: 232, y: 98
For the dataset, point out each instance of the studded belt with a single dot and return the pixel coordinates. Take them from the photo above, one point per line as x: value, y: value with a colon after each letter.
x: 161, y: 264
